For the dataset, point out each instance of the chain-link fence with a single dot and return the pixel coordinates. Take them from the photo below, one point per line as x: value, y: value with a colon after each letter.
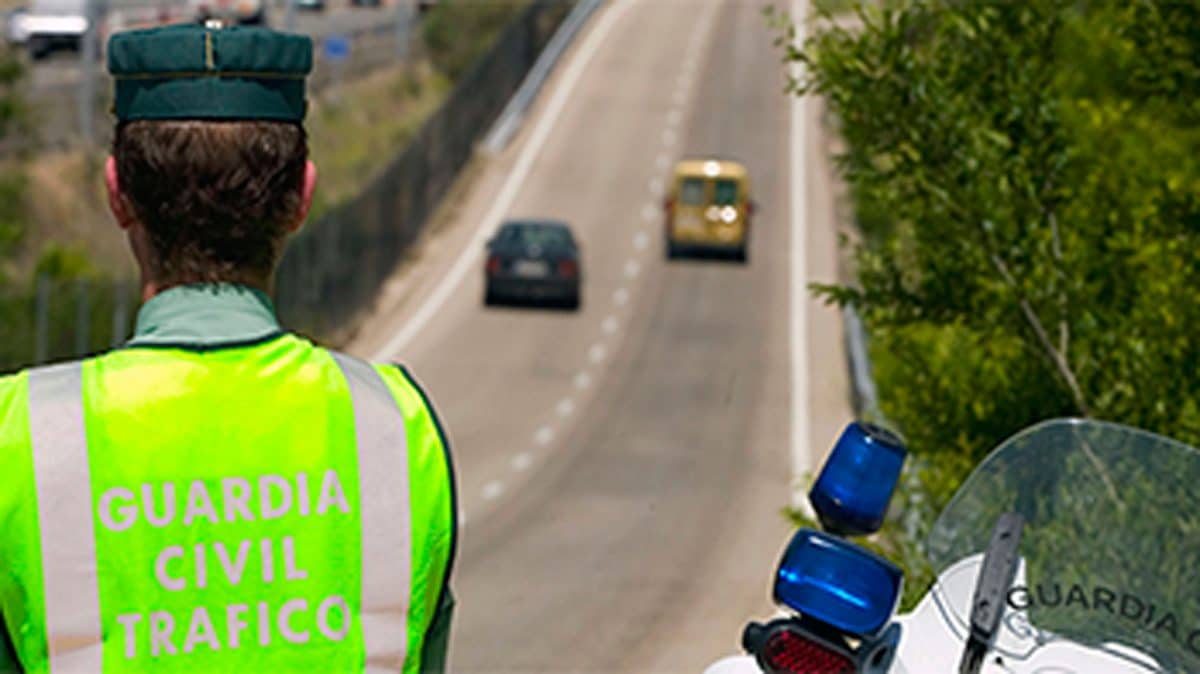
x: 333, y: 271
x: 56, y: 319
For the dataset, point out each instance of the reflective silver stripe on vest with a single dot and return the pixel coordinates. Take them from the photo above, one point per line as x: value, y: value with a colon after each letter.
x: 64, y: 501
x: 386, y: 521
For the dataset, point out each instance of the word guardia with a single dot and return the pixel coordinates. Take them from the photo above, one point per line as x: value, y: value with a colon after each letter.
x: 269, y: 497
x: 1127, y: 606
x: 241, y: 568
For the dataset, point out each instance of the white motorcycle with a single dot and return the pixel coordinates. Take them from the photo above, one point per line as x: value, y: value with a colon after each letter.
x: 1074, y: 547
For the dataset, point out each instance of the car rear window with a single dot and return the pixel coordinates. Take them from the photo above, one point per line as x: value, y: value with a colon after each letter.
x: 692, y: 192
x: 537, y: 235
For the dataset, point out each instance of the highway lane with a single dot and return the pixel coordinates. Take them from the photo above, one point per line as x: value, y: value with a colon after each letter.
x: 622, y: 469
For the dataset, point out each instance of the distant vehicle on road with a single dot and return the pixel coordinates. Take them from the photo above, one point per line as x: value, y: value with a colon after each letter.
x: 236, y: 12
x: 14, y: 26
x: 533, y: 261
x: 311, y: 5
x: 708, y: 209
x: 51, y: 25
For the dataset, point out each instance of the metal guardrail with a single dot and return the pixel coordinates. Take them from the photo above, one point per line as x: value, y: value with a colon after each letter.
x: 510, y: 118
x: 866, y: 397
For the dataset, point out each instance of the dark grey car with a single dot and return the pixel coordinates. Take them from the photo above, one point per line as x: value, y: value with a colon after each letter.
x: 533, y: 261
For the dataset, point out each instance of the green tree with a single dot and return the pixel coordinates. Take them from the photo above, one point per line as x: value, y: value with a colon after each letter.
x: 1027, y: 176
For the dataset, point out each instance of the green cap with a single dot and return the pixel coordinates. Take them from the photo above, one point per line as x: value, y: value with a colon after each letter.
x: 193, y: 71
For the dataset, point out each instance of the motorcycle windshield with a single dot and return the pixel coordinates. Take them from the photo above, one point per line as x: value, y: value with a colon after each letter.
x: 1110, y: 551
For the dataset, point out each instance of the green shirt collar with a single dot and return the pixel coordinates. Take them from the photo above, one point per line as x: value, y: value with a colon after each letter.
x: 205, y: 315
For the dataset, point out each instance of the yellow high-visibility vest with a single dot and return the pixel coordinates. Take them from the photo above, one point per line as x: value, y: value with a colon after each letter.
x: 269, y: 508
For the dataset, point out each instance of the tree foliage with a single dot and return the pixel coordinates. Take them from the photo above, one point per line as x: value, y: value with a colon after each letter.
x: 1031, y: 184
x: 1026, y: 177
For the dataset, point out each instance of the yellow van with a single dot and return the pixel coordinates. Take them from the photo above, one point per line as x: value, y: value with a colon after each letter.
x: 708, y: 208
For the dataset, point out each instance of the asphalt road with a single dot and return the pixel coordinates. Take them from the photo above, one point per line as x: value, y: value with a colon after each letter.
x: 622, y: 469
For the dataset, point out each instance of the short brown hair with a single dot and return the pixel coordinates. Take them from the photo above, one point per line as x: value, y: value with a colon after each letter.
x: 214, y: 197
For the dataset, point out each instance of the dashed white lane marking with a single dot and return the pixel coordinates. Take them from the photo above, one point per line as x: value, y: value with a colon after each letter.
x: 597, y: 353
x: 641, y: 240
x: 621, y: 297
x: 493, y: 490
x: 656, y: 188
x: 522, y: 461
x: 662, y: 161
x: 649, y: 213
x: 565, y: 407
x: 632, y: 269
x: 583, y: 380
x: 610, y: 325
x: 669, y: 137
x: 544, y: 435
x: 508, y: 192
x: 674, y: 117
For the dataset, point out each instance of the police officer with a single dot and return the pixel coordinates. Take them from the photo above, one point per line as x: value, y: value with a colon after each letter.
x: 219, y: 495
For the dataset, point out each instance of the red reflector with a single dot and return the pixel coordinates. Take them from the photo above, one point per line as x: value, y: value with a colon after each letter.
x: 567, y: 268
x: 493, y: 264
x: 789, y: 652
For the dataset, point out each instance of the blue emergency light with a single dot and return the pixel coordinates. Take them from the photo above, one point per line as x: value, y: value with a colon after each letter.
x: 851, y: 494
x: 837, y: 583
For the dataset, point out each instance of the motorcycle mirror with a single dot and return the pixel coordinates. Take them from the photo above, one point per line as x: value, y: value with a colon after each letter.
x: 852, y: 492
x: 996, y: 574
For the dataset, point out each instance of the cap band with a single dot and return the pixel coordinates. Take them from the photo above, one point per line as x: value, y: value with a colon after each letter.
x: 198, y: 72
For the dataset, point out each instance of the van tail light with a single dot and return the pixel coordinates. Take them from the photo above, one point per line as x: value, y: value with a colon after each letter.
x: 788, y: 652
x: 668, y: 203
x: 494, y: 264
x: 568, y: 268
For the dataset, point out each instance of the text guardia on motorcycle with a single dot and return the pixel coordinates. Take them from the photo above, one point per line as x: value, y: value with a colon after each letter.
x: 1073, y: 547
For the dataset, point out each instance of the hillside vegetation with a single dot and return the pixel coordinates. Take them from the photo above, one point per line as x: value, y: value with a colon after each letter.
x: 1027, y: 182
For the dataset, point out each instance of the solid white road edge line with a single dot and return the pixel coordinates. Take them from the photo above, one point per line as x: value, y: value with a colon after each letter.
x: 801, y: 453
x: 516, y: 178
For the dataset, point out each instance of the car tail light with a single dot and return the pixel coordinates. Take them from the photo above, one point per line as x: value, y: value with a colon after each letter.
x: 568, y: 268
x: 788, y: 652
x: 494, y: 264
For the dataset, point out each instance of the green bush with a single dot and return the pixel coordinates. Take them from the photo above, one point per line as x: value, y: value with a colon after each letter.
x: 1028, y: 179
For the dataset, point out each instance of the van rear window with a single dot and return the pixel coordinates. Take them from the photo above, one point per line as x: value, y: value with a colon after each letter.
x: 692, y: 192
x: 725, y: 193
